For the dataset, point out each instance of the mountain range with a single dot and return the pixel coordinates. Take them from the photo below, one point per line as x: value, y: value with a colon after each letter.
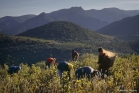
x: 9, y: 22
x: 57, y: 39
x: 36, y: 21
x: 63, y: 31
x: 112, y: 14
x: 79, y: 16
x: 90, y: 19
x: 128, y: 26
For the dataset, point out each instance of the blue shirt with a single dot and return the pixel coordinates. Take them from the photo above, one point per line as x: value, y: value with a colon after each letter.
x: 14, y: 69
x: 84, y: 71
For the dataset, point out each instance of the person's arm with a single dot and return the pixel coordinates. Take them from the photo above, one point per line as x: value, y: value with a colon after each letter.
x: 46, y: 61
x: 54, y: 63
x: 16, y: 70
x: 72, y: 55
x: 109, y: 63
x: 69, y: 75
x: 76, y: 53
x: 99, y: 62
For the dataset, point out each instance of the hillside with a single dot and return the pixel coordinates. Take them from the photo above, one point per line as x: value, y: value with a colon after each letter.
x: 63, y: 31
x: 57, y: 39
x: 112, y: 14
x: 19, y: 19
x: 18, y: 49
x: 126, y: 26
x: 79, y: 16
x: 75, y: 14
x: 134, y: 45
x: 15, y: 50
x: 106, y: 15
x: 36, y: 21
x: 128, y: 37
x: 9, y: 22
x: 90, y: 19
x: 120, y: 11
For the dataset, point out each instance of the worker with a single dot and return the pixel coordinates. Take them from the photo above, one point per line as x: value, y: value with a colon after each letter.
x: 63, y: 67
x: 88, y: 72
x: 75, y: 55
x: 49, y: 62
x: 14, y: 69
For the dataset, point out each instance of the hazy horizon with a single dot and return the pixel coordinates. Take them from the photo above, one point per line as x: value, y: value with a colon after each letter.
x: 18, y: 8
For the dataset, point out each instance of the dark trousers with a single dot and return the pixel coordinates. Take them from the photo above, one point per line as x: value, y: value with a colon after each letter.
x: 60, y: 74
x: 104, y: 71
x: 48, y: 64
x: 74, y: 58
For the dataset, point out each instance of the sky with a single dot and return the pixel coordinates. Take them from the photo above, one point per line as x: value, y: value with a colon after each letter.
x: 23, y: 7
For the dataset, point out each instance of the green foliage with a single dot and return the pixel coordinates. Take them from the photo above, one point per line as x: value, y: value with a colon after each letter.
x: 64, y: 31
x: 18, y: 49
x: 36, y: 79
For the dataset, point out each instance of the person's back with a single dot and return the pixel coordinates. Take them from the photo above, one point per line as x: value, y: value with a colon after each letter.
x: 64, y: 66
x: 49, y: 61
x: 75, y: 55
x: 88, y: 72
x: 103, y: 62
x: 14, y: 69
x: 84, y: 71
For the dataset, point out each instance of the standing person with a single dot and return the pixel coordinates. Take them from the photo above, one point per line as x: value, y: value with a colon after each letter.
x: 49, y: 61
x: 75, y: 55
x: 103, y: 62
x: 64, y: 66
x: 87, y: 71
x: 14, y: 69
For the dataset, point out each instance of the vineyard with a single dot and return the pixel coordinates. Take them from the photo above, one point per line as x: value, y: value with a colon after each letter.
x: 124, y: 78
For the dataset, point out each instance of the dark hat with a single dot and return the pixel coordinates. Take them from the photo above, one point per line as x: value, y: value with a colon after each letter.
x: 100, y: 49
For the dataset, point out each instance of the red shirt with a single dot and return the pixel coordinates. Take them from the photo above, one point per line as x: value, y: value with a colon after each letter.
x: 50, y: 60
x: 75, y: 54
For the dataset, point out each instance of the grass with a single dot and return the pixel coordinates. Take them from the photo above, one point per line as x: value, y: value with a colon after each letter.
x: 70, y: 45
x: 124, y: 76
x: 23, y: 38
